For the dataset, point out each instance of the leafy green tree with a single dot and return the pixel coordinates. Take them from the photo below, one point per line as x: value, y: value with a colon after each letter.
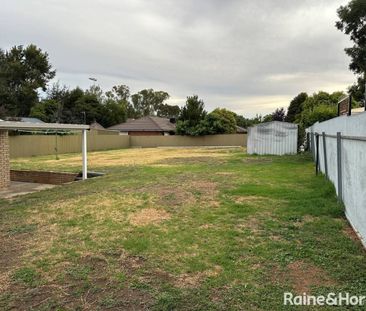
x: 295, y: 107
x: 193, y: 111
x: 195, y: 121
x: 279, y: 114
x: 23, y: 70
x: 112, y: 112
x: 267, y: 118
x: 247, y: 122
x: 220, y: 121
x: 147, y: 102
x: 190, y: 116
x: 47, y: 110
x: 168, y: 111
x: 352, y: 21
x: 320, y: 107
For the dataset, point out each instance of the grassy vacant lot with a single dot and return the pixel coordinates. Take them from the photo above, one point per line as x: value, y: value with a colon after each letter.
x: 184, y: 229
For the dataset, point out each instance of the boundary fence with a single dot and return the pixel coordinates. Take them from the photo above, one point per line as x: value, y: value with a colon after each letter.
x: 341, y: 156
x: 34, y: 145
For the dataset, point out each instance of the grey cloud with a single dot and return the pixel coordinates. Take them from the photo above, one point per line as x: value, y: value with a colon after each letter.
x: 245, y: 55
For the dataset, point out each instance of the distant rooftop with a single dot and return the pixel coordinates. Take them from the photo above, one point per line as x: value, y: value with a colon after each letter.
x: 148, y: 124
x: 24, y: 119
x: 96, y: 126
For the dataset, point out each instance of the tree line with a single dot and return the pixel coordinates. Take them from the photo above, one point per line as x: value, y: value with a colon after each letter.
x: 25, y: 73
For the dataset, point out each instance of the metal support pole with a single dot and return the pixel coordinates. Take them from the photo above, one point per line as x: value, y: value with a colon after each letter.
x: 85, y: 156
x: 325, y: 156
x: 312, y: 145
x: 317, y: 154
x: 339, y: 166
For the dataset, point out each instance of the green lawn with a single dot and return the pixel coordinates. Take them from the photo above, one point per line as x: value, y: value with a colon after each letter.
x: 176, y: 229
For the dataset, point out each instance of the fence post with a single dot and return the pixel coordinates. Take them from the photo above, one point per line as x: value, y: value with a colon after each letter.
x: 325, y: 156
x: 339, y: 166
x: 307, y: 146
x: 317, y: 154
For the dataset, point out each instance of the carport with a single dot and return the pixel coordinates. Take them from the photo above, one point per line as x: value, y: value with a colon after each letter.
x: 5, y: 126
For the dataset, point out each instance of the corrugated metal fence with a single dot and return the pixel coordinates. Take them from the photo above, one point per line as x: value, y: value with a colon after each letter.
x: 339, y: 149
x: 33, y: 145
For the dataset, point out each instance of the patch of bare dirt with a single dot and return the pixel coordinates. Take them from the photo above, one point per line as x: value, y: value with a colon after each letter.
x: 173, y: 195
x: 184, y: 190
x: 206, y: 190
x: 148, y: 216
x: 349, y: 232
x: 130, y: 263
x: 101, y: 295
x: 12, y: 249
x: 302, y: 276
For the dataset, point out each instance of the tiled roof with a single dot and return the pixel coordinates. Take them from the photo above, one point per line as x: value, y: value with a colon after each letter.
x: 147, y: 124
x: 24, y: 119
x: 96, y: 126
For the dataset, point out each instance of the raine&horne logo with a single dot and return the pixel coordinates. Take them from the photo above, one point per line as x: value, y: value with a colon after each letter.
x: 331, y: 299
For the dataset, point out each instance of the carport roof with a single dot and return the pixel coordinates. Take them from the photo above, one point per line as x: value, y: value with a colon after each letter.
x: 15, y: 125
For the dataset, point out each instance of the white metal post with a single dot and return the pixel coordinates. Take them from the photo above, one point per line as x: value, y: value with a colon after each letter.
x: 85, y: 154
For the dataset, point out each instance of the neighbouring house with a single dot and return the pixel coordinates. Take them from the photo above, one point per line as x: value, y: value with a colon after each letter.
x: 149, y: 125
x: 96, y: 126
x: 24, y: 119
x: 241, y: 130
x: 152, y: 125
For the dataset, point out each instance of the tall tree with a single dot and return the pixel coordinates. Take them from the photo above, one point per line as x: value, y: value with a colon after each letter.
x: 147, y: 102
x: 168, y: 111
x: 295, y: 107
x: 352, y: 21
x: 22, y: 72
x: 220, y: 121
x: 191, y: 115
x: 279, y: 114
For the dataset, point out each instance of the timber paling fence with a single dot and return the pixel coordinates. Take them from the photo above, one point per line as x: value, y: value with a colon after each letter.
x: 341, y: 156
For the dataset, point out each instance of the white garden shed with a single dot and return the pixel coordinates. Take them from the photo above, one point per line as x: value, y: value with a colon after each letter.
x: 276, y: 138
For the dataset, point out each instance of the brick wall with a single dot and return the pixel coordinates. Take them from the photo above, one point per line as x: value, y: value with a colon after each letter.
x: 53, y: 178
x: 4, y: 160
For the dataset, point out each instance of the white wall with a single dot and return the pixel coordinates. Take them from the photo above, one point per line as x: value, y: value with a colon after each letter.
x: 353, y: 155
x: 275, y: 137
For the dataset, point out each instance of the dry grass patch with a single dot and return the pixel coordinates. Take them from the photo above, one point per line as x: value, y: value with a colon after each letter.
x: 128, y: 157
x: 148, y: 216
x: 171, y: 195
x: 193, y: 280
x: 249, y: 199
x: 251, y: 223
x: 302, y: 276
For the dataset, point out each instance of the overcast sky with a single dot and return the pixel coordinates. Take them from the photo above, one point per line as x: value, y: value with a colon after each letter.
x: 250, y: 56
